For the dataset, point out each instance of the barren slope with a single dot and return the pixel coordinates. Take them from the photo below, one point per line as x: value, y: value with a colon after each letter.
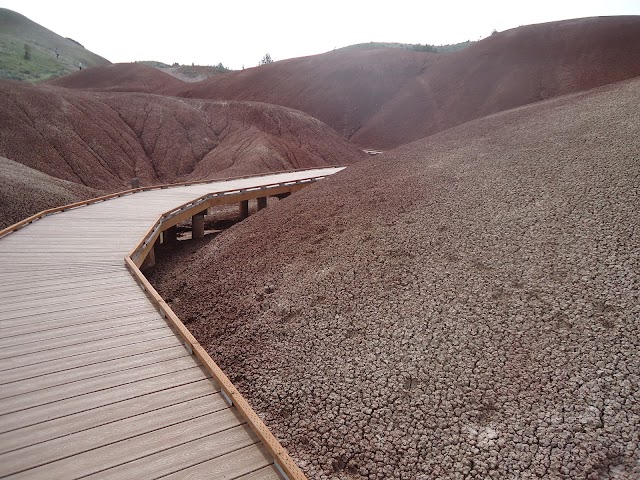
x: 342, y: 88
x: 121, y: 77
x: 384, y: 98
x: 466, y: 306
x: 508, y: 69
x: 25, y: 191
x: 102, y: 140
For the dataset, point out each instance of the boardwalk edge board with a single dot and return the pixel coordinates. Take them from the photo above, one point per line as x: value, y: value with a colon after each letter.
x: 281, y: 457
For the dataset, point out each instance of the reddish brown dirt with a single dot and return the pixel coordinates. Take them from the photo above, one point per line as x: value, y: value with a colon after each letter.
x: 120, y: 77
x: 342, y: 88
x: 466, y: 306
x: 25, y: 192
x: 385, y: 98
x: 102, y: 140
x: 506, y: 70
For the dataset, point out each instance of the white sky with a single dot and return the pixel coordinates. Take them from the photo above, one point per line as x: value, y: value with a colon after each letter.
x: 240, y: 32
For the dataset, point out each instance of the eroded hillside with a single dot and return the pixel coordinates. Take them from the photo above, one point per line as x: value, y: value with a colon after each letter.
x: 464, y: 306
x: 102, y: 140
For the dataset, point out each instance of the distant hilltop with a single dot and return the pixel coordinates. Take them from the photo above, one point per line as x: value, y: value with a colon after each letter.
x: 31, y: 52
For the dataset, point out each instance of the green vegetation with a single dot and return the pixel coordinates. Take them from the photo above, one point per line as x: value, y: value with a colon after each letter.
x: 187, y: 69
x: 40, y: 64
x: 416, y: 47
x: 156, y: 64
x: 266, y: 60
x: 221, y: 68
x: 29, y: 52
x: 453, y: 47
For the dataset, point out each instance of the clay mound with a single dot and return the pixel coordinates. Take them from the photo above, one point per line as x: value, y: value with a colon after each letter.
x: 464, y: 306
x: 506, y: 70
x: 341, y: 88
x: 120, y: 77
x: 102, y: 140
x: 384, y: 98
x: 25, y: 192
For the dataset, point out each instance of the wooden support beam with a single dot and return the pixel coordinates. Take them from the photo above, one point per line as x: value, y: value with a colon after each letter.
x: 262, y: 203
x: 140, y: 251
x: 197, y: 225
x: 171, y: 235
x: 282, y: 196
x: 244, y: 209
x: 150, y: 259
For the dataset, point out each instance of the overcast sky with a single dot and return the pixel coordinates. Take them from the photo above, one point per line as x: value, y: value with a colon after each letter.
x: 240, y: 32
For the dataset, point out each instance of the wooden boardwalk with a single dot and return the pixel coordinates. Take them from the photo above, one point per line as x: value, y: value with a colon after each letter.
x: 94, y: 382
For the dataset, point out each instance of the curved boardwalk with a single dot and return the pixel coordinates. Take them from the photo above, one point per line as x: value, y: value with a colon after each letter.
x: 93, y: 380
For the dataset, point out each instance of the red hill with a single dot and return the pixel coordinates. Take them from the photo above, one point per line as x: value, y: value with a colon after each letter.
x: 120, y: 77
x: 384, y: 98
x: 507, y: 70
x: 25, y: 191
x: 102, y: 140
x: 464, y: 306
x: 342, y: 88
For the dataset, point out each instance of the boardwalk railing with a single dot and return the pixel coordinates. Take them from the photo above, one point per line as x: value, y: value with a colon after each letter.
x: 187, y: 210
x: 83, y: 203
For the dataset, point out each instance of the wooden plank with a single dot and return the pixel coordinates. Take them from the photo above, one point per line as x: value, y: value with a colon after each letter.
x: 60, y: 326
x: 90, y: 419
x: 118, y: 393
x: 44, y: 346
x: 221, y: 425
x: 72, y: 309
x: 101, y: 360
x: 60, y: 290
x: 264, y: 473
x: 121, y: 378
x: 12, y: 284
x: 241, y: 463
x: 75, y: 444
x: 75, y: 381
x: 185, y: 453
x: 70, y: 298
x: 34, y: 306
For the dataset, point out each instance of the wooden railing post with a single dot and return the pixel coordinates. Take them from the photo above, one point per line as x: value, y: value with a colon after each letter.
x: 150, y: 259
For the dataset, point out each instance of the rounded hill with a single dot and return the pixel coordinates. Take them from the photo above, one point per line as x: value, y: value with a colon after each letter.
x: 120, y: 77
x: 463, y: 306
x: 388, y: 97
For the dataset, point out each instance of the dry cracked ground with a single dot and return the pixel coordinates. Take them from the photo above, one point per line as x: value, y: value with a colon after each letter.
x: 465, y: 306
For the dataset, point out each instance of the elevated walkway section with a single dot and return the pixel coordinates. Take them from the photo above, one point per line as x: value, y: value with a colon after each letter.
x: 98, y: 377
